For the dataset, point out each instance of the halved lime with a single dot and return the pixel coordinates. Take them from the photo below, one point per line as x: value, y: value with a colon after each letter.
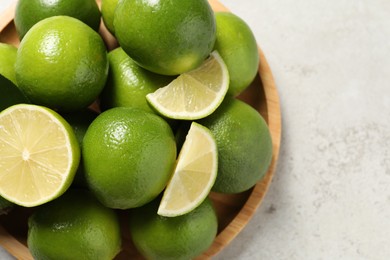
x: 39, y: 155
x: 194, y: 175
x: 195, y: 94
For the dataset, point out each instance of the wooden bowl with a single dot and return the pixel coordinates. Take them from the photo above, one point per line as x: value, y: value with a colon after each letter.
x: 234, y: 211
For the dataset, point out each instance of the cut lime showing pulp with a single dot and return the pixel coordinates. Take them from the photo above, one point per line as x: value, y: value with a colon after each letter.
x: 39, y: 155
x: 195, y: 94
x: 194, y: 175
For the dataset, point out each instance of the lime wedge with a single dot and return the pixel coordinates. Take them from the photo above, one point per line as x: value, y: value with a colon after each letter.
x: 39, y: 155
x: 194, y: 175
x: 195, y: 94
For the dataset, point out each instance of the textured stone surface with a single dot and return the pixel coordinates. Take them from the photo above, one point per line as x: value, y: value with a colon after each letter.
x: 330, y: 198
x: 331, y: 193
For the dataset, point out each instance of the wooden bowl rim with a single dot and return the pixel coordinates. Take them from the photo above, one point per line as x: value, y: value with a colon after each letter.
x: 20, y: 251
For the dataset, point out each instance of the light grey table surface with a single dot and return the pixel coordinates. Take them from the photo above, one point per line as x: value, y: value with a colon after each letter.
x: 330, y: 198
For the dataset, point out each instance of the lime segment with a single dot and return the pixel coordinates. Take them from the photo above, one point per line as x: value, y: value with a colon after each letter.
x: 195, y: 94
x: 194, y: 175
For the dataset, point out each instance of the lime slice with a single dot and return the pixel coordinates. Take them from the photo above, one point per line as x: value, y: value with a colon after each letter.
x: 195, y: 94
x: 194, y: 175
x: 39, y: 155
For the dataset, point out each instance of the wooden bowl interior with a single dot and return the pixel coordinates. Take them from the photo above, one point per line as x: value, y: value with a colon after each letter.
x: 234, y: 211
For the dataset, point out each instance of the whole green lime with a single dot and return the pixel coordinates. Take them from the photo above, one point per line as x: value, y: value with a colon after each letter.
x: 237, y: 46
x: 10, y: 94
x: 176, y: 238
x: 7, y: 61
x: 61, y: 63
x: 129, y: 155
x: 128, y: 84
x: 74, y: 226
x: 244, y: 145
x: 167, y: 37
x: 80, y: 122
x: 29, y: 12
x: 108, y: 11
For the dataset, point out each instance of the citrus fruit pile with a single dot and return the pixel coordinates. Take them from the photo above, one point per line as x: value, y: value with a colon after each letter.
x: 149, y: 128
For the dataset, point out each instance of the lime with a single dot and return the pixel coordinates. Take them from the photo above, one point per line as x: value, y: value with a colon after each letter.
x: 244, y: 145
x: 7, y: 61
x: 194, y: 175
x: 62, y: 64
x: 183, y: 237
x: 129, y: 155
x: 168, y: 37
x: 10, y: 94
x: 74, y: 226
x: 108, y: 11
x: 30, y: 12
x: 80, y: 121
x: 195, y: 94
x: 237, y: 46
x: 128, y: 84
x: 39, y: 155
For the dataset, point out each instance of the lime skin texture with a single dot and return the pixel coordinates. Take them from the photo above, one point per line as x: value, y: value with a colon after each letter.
x: 7, y: 61
x: 244, y: 145
x: 29, y: 12
x: 128, y: 83
x: 129, y: 156
x: 167, y: 37
x: 173, y: 238
x: 237, y: 46
x: 75, y: 226
x: 61, y: 63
